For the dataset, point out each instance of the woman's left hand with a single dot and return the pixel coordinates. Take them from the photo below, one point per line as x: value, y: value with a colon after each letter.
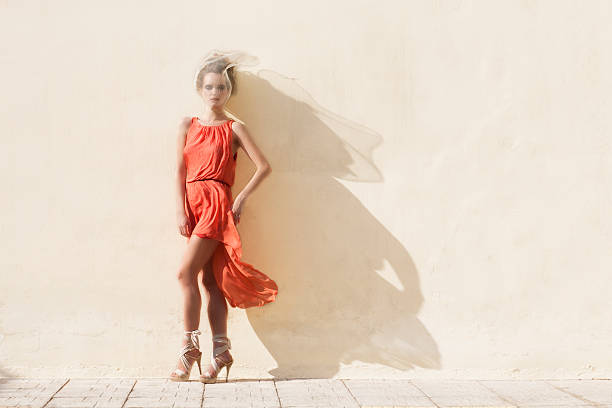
x: 237, y: 208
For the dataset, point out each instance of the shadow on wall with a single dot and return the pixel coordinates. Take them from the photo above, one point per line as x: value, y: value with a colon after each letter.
x: 323, y: 248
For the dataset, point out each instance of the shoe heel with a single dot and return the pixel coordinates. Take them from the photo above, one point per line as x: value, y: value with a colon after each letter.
x: 227, y: 368
x: 199, y: 362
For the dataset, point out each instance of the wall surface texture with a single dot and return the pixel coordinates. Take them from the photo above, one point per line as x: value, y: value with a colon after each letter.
x: 438, y: 207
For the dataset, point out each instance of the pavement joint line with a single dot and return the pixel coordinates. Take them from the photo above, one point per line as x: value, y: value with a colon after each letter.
x: 276, y: 392
x: 128, y: 394
x: 512, y: 403
x: 201, y: 396
x: 580, y: 397
x: 58, y: 390
x: 424, y: 393
x: 350, y: 393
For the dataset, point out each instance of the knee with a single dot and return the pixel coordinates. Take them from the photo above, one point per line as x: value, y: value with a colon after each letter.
x: 185, y: 276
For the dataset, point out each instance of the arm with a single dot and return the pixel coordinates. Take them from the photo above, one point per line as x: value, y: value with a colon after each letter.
x: 180, y: 175
x: 263, y: 167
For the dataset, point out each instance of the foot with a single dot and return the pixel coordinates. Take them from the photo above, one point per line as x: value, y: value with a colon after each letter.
x: 191, y: 357
x: 222, y: 360
x: 188, y: 355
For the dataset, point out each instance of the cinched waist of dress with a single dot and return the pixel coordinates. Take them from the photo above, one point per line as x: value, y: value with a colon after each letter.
x: 213, y: 179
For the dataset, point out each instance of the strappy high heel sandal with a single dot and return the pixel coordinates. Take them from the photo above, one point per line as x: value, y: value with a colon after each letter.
x: 217, y: 362
x: 191, y: 349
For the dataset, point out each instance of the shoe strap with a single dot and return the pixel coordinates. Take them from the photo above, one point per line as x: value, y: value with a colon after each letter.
x: 217, y: 350
x: 192, y: 344
x: 221, y: 338
x: 213, y: 362
x: 193, y: 338
x: 183, y: 356
x: 180, y: 372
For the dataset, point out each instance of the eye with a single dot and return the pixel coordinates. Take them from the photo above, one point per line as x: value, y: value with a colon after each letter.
x: 209, y: 87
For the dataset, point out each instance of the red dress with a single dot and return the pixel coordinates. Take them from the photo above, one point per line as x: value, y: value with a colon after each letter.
x: 208, y: 204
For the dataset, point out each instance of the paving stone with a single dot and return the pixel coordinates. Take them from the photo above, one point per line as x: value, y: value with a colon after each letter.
x: 7, y: 401
x: 25, y: 402
x: 370, y: 393
x: 165, y: 393
x: 314, y: 392
x: 460, y: 393
x: 101, y: 388
x: 97, y: 392
x: 387, y: 393
x: 593, y: 391
x: 534, y: 393
x: 256, y: 394
x: 32, y: 392
x: 72, y: 402
x: 147, y: 403
x: 110, y: 402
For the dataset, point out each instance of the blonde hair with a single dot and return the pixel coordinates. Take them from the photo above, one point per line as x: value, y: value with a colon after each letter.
x: 220, y: 66
x: 225, y: 62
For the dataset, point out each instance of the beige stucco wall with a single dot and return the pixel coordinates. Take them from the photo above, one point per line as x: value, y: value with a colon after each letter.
x: 439, y: 204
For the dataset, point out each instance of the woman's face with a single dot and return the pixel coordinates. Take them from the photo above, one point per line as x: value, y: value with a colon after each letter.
x: 214, y: 89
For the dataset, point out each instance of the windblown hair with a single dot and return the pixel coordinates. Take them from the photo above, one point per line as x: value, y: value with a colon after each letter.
x: 219, y: 66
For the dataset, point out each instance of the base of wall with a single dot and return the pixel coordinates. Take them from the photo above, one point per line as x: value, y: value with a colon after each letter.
x: 346, y: 372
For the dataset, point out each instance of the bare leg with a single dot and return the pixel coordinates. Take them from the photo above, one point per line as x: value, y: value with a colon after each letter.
x: 198, y: 252
x: 217, y: 310
x: 217, y: 305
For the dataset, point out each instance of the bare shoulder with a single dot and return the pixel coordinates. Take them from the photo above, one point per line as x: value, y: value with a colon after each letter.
x: 184, y: 124
x: 239, y: 127
x: 239, y: 132
x: 183, y: 128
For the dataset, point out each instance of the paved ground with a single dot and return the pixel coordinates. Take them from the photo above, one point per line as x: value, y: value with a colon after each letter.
x: 133, y: 393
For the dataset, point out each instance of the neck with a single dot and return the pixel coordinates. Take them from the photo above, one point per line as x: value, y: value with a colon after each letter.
x: 213, y: 114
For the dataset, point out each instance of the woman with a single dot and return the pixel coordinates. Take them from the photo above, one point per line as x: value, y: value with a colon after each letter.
x: 207, y: 216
